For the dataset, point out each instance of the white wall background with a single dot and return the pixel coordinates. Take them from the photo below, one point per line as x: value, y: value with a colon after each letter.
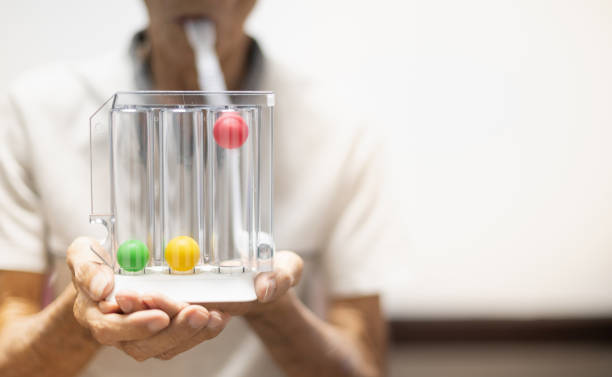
x: 501, y: 115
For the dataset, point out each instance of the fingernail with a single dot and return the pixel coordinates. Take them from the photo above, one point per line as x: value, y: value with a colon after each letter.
x: 270, y: 290
x: 108, y: 307
x: 197, y: 319
x: 156, y: 325
x: 97, y: 285
x: 125, y: 305
x: 215, y: 320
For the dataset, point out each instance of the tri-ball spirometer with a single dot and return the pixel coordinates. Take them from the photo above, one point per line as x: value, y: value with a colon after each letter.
x: 182, y: 181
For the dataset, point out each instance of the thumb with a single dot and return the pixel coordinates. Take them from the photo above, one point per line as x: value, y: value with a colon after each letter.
x: 88, y: 260
x: 269, y: 286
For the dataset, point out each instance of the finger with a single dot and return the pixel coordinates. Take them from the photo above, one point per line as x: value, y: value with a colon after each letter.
x: 107, y: 307
x: 287, y: 273
x: 218, y: 321
x: 289, y: 264
x: 187, y: 322
x: 130, y: 301
x: 90, y: 273
x: 161, y: 302
x: 109, y: 329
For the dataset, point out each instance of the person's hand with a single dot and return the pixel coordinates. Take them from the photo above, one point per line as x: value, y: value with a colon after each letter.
x: 271, y: 287
x: 142, y: 326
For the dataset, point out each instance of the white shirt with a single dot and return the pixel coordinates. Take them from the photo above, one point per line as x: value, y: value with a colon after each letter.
x: 327, y: 205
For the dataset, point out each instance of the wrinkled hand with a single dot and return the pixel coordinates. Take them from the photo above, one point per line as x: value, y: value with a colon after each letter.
x: 142, y: 326
x: 271, y: 287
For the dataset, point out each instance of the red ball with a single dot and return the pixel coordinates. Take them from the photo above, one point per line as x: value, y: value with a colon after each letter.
x: 230, y: 130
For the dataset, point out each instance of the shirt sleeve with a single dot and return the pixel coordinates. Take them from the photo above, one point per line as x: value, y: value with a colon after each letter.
x: 21, y: 222
x: 364, y: 233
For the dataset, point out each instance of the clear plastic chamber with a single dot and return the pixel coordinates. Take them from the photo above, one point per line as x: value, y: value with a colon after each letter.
x: 182, y: 181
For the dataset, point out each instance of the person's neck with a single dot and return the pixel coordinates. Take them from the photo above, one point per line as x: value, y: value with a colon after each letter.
x: 172, y: 71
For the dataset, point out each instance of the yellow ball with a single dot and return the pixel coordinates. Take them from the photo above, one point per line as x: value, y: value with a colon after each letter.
x: 182, y: 253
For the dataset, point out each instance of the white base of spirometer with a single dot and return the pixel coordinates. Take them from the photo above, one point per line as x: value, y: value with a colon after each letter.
x: 203, y: 287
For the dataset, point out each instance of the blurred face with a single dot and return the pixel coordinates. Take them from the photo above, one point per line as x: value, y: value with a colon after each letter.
x: 228, y: 15
x: 171, y: 48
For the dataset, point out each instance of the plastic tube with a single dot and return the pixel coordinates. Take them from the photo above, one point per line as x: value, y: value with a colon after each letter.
x: 202, y: 38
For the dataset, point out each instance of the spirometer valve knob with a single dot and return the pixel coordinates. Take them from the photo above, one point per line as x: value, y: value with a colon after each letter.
x: 230, y: 130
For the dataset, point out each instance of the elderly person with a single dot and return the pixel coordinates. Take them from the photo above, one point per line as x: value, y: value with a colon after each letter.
x: 327, y: 208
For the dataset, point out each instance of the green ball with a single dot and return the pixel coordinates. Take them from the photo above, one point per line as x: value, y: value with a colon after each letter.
x: 133, y: 255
